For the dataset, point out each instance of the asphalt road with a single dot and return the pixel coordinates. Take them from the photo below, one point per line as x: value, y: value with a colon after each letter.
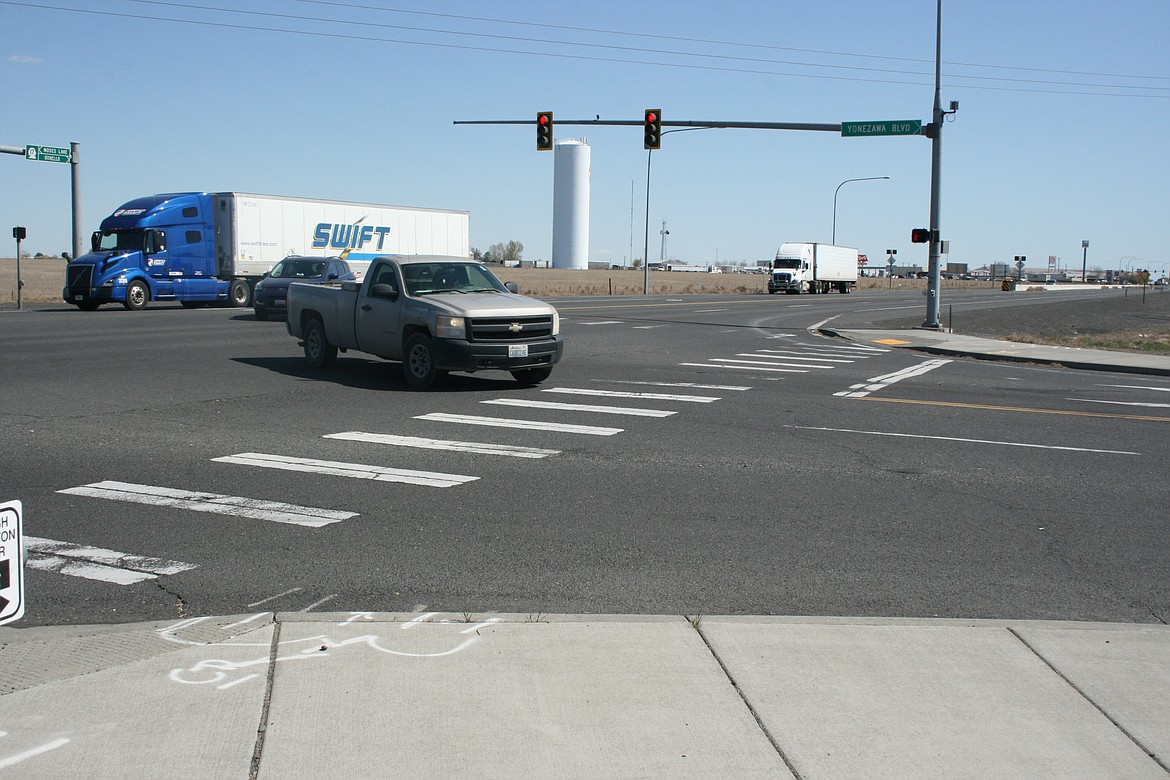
x: 765, y: 482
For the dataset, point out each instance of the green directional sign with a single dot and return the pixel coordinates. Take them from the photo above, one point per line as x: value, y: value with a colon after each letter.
x: 882, y: 127
x: 47, y: 154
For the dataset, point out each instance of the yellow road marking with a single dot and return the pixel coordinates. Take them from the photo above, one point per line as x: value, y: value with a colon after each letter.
x: 890, y: 342
x: 1015, y: 409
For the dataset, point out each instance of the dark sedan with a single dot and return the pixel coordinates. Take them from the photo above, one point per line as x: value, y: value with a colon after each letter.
x: 271, y: 292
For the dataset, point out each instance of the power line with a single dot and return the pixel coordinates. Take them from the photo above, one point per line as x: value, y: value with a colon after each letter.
x: 561, y: 55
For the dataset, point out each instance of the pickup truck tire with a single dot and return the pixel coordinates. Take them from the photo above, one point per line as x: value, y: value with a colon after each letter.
x: 137, y: 295
x: 418, y: 363
x: 239, y: 294
x: 319, y: 353
x: 532, y: 376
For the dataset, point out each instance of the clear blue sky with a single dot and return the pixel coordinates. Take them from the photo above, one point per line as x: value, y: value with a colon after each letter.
x: 1061, y: 133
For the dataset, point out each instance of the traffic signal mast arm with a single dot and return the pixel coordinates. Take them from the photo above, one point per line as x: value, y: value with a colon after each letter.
x: 665, y: 123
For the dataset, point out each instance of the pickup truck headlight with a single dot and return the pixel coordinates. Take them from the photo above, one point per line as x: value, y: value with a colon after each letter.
x: 556, y: 322
x: 450, y: 328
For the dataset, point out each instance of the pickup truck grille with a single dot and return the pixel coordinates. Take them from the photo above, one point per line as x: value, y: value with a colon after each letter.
x: 509, y: 328
x: 79, y: 278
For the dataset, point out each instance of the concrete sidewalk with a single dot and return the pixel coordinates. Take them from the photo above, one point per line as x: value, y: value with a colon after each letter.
x: 440, y: 695
x: 943, y: 343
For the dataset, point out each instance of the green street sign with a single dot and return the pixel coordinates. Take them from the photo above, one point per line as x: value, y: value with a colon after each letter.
x: 47, y: 154
x: 883, y: 127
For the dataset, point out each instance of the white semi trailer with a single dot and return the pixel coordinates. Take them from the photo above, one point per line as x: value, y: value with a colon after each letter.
x: 811, y: 267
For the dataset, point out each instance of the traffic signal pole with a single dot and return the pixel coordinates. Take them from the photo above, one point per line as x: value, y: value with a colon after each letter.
x: 934, y: 279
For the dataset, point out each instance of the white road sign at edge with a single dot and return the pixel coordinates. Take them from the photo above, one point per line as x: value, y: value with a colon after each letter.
x: 11, y: 563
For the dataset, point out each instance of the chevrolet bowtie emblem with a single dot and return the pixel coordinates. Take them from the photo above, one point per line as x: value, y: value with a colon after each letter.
x: 515, y: 327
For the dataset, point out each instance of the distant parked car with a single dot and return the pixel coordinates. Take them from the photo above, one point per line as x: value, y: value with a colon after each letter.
x: 271, y: 292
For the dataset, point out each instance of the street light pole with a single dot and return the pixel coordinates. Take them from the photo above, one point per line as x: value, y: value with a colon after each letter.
x: 646, y: 228
x: 839, y: 186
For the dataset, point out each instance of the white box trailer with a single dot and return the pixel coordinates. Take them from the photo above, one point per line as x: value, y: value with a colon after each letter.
x: 254, y: 232
x: 813, y: 267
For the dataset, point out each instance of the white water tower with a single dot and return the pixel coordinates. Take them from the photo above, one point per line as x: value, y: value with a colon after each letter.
x: 570, y: 248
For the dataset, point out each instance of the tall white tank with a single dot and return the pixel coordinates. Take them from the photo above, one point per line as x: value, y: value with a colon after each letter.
x: 570, y: 247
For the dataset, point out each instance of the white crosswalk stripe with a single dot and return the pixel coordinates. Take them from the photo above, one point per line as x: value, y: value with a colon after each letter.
x: 355, y: 470
x: 694, y: 385
x: 774, y: 362
x: 700, y: 399
x: 97, y: 563
x: 747, y: 368
x: 531, y: 425
x: 477, y: 448
x: 626, y: 410
x: 881, y: 382
x: 274, y: 511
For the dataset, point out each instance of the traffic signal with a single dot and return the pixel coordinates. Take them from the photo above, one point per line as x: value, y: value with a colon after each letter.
x: 920, y: 236
x: 653, y: 129
x: 19, y: 233
x: 544, y: 127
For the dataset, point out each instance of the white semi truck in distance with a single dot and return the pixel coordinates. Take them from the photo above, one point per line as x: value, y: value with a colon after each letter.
x: 811, y: 267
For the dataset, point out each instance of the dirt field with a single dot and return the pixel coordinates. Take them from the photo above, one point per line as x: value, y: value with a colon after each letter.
x: 44, y: 277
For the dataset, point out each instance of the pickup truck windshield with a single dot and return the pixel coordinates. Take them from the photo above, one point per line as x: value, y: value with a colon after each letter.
x: 124, y: 240
x: 298, y: 269
x: 787, y: 262
x: 440, y: 277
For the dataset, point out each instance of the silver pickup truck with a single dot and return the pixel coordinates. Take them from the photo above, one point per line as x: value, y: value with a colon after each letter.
x: 435, y: 314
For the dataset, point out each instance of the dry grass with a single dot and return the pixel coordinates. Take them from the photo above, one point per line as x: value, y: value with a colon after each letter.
x: 44, y: 277
x: 1155, y: 341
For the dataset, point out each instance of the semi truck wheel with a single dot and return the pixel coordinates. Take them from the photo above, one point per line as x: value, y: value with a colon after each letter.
x: 319, y: 353
x: 418, y: 363
x: 532, y: 376
x: 137, y: 295
x: 239, y: 294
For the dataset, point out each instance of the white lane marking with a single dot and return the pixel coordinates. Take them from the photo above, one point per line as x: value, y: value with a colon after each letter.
x: 45, y: 748
x: 747, y: 368
x: 675, y: 384
x: 1139, y: 387
x: 600, y: 322
x: 439, y: 444
x: 967, y: 441
x: 355, y: 470
x: 530, y: 404
x: 531, y: 425
x: 698, y: 399
x: 644, y: 327
x: 845, y: 348
x: 773, y: 362
x: 779, y: 354
x: 275, y: 511
x: 881, y: 382
x: 1120, y: 403
x: 97, y: 563
x: 706, y: 311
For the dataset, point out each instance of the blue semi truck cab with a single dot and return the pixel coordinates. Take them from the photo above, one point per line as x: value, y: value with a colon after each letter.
x: 157, y: 248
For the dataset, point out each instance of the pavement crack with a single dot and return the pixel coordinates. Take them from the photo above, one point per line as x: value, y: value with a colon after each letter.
x: 697, y: 623
x: 1116, y: 724
x: 180, y: 602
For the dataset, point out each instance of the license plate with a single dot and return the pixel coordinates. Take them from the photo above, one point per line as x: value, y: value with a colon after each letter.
x: 79, y: 297
x: 517, y: 350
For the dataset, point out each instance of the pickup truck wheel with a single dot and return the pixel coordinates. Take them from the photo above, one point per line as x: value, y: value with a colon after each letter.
x: 239, y: 294
x: 532, y: 376
x: 137, y: 295
x: 319, y: 353
x: 418, y: 363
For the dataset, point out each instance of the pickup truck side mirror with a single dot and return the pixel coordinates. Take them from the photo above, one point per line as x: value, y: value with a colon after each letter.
x: 384, y: 291
x: 512, y: 287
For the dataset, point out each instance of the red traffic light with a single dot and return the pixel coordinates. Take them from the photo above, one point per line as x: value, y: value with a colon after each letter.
x: 544, y: 131
x: 653, y: 129
x: 920, y: 236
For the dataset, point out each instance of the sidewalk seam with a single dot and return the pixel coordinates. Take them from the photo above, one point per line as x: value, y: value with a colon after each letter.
x: 262, y: 729
x: 1153, y: 755
x: 696, y: 623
